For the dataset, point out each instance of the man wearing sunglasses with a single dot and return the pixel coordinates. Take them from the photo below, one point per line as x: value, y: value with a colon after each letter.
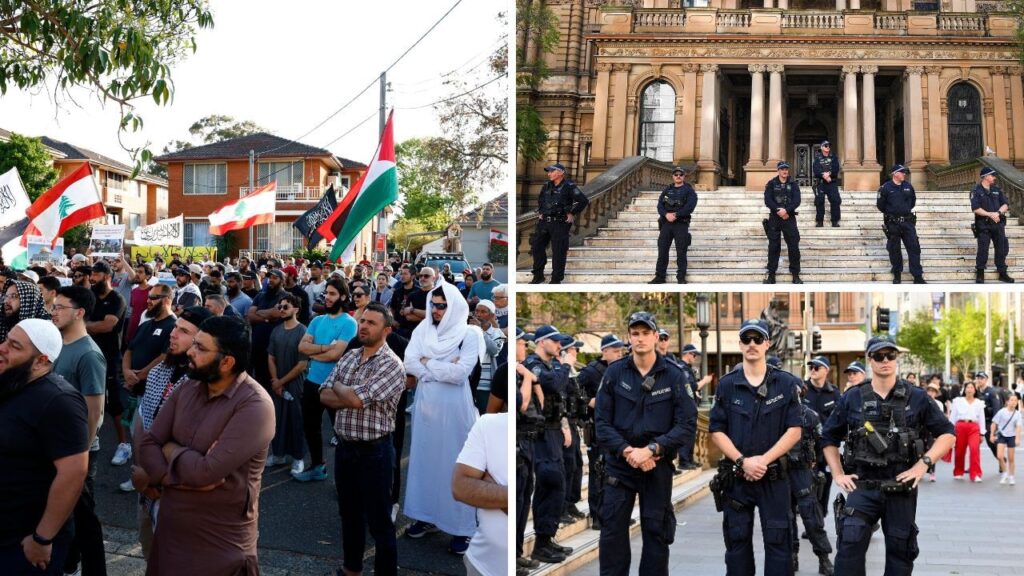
x: 881, y: 421
x: 896, y: 201
x: 642, y: 418
x: 675, y: 206
x: 755, y: 422
x: 854, y: 374
x: 148, y: 347
x: 821, y: 396
x: 782, y: 197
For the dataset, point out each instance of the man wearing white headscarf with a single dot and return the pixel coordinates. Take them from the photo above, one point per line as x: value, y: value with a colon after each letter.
x: 442, y: 353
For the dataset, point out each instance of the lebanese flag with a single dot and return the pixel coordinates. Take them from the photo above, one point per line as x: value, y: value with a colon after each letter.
x: 256, y: 208
x: 72, y: 201
x: 376, y: 189
x: 499, y: 237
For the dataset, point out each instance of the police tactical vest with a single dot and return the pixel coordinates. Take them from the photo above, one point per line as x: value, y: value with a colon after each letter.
x: 884, y: 439
x: 780, y: 192
x: 825, y: 163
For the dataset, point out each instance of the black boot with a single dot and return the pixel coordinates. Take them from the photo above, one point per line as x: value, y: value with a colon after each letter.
x: 770, y: 279
x: 825, y: 565
x: 575, y: 512
x: 1004, y: 277
x: 897, y: 277
x: 919, y: 280
x: 563, y: 549
x: 796, y: 278
x: 657, y: 280
x: 544, y: 551
x: 681, y: 279
x: 819, y: 224
x: 595, y: 523
x: 537, y: 279
x: 796, y: 562
x: 835, y: 224
x: 979, y: 276
x: 529, y: 563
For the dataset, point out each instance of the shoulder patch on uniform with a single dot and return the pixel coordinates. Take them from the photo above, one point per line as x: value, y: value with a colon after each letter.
x: 537, y: 370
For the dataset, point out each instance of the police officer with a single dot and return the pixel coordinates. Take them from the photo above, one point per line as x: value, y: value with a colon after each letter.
x: 896, y: 200
x: 782, y: 197
x: 804, y: 480
x: 854, y: 374
x: 755, y: 421
x: 880, y: 421
x: 990, y: 206
x: 528, y: 423
x: 549, y: 495
x: 821, y: 396
x: 589, y: 380
x: 559, y: 203
x: 687, y: 357
x: 993, y: 404
x: 826, y: 184
x: 572, y: 456
x: 643, y: 415
x: 675, y: 206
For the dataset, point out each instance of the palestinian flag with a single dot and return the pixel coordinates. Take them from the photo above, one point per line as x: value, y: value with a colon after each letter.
x: 72, y: 201
x: 377, y: 188
x: 256, y: 208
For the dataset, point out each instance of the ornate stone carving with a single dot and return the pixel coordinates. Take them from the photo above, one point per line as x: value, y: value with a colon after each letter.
x: 631, y: 104
x: 775, y: 68
x: 918, y: 70
x: 621, y: 66
x: 756, y: 68
x: 805, y: 50
x: 988, y: 107
x: 690, y: 67
x: 933, y: 70
x: 656, y: 69
x: 869, y: 69
x: 603, y: 67
x: 709, y: 67
x: 850, y: 69
x: 999, y: 70
x: 1014, y: 70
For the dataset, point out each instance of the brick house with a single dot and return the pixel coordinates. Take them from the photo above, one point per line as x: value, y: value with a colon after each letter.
x: 204, y: 178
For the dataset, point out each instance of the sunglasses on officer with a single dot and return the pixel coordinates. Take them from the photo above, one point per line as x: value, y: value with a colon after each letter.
x: 883, y: 355
x: 755, y: 337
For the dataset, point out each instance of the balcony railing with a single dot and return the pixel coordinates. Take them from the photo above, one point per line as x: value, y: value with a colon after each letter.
x: 660, y: 18
x: 890, y: 21
x: 962, y: 22
x: 291, y: 193
x: 733, y: 19
x: 812, y: 20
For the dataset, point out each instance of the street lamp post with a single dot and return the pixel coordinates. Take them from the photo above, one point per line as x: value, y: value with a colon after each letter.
x: 703, y: 323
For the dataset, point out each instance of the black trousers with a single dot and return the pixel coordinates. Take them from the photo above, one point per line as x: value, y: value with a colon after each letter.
x: 897, y: 513
x: 595, y: 482
x: 524, y: 489
x: 669, y: 232
x: 805, y: 502
x: 777, y: 230
x: 830, y: 191
x: 554, y: 233
x: 572, y: 458
x: 996, y: 234
x: 549, y: 494
x: 657, y: 522
x: 906, y: 233
x: 362, y: 471
x: 772, y: 500
x: 87, y: 545
x: 313, y: 421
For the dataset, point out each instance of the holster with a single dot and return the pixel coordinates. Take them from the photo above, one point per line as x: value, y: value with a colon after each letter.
x: 815, y: 187
x: 974, y: 228
x: 766, y: 226
x: 838, y: 506
x: 820, y: 483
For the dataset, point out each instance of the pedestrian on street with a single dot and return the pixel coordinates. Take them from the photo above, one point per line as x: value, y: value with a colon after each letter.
x: 559, y: 203
x: 1006, y: 430
x: 993, y: 402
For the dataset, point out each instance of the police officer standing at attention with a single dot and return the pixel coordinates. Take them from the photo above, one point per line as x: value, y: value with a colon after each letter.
x: 755, y: 422
x: 804, y: 479
x: 529, y: 426
x: 642, y: 418
x: 896, y: 200
x: 826, y: 168
x: 687, y: 357
x: 589, y: 380
x: 990, y: 207
x: 881, y: 422
x: 782, y: 197
x: 558, y: 204
x: 549, y: 495
x: 675, y: 206
x: 821, y: 396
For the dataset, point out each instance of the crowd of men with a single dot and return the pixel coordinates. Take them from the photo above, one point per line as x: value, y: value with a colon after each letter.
x: 780, y: 438
x: 211, y: 373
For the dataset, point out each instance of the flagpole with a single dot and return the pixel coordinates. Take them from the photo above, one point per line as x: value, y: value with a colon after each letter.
x: 381, y: 122
x: 252, y: 161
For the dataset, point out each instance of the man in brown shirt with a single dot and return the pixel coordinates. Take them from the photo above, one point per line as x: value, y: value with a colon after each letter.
x: 206, y: 451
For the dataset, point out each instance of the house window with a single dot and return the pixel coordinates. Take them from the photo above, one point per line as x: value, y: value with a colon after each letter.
x: 198, y: 233
x: 279, y: 237
x: 285, y: 173
x: 116, y: 181
x: 694, y: 3
x: 205, y: 179
x: 134, y: 221
x: 657, y: 121
x: 346, y: 182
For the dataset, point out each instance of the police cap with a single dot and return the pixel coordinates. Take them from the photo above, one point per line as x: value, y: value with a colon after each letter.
x: 523, y: 335
x: 678, y: 170
x: 690, y: 349
x: 645, y: 318
x: 663, y: 334
x: 544, y: 332
x: 825, y: 144
x: 556, y: 166
x: 819, y: 361
x: 855, y: 367
x: 759, y: 326
x: 987, y: 171
x: 877, y: 343
x: 774, y: 361
x: 782, y: 164
x: 611, y: 341
x: 899, y: 168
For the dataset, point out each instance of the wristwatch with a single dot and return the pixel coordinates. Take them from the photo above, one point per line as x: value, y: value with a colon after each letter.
x: 654, y: 448
x: 927, y: 461
x: 739, y: 463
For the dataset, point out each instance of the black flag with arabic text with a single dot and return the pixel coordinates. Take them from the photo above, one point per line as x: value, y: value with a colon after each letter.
x: 312, y: 218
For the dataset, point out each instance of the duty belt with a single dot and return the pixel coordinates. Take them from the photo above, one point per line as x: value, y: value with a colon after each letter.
x: 777, y: 470
x: 892, y: 219
x: 552, y: 425
x: 553, y: 218
x: 886, y: 486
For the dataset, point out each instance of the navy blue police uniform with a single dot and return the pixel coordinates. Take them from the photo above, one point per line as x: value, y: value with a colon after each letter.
x: 690, y: 382
x: 778, y: 194
x: 823, y: 401
x: 572, y: 455
x: 636, y: 410
x: 589, y: 380
x: 896, y: 202
x: 990, y: 200
x: 877, y: 458
x: 993, y: 404
x: 755, y: 417
x: 524, y: 463
x: 681, y: 201
x: 554, y: 205
x: 823, y: 189
x: 804, y: 480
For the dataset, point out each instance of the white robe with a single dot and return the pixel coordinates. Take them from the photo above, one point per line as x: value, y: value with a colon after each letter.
x: 442, y: 416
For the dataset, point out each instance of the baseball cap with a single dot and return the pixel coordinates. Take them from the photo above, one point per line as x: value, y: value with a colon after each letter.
x: 855, y: 367
x: 101, y: 267
x: 662, y: 333
x: 290, y: 271
x: 877, y: 343
x: 611, y: 341
x: 988, y: 171
x: 759, y: 326
x: 825, y: 143
x: 195, y: 268
x: 678, y: 169
x: 645, y: 318
x: 182, y: 271
x: 899, y: 168
x: 79, y: 258
x: 690, y: 348
x: 544, y: 332
x: 520, y: 333
x: 819, y: 361
x: 782, y: 164
x: 44, y: 336
x: 276, y: 272
x: 555, y: 166
x: 195, y: 315
x: 981, y: 374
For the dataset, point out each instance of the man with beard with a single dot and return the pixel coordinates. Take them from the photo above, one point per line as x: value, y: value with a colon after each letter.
x: 147, y: 349
x: 22, y: 301
x: 163, y: 380
x: 186, y: 294
x: 315, y: 287
x: 401, y: 298
x: 44, y: 441
x: 81, y: 363
x: 483, y: 288
x: 442, y: 354
x: 251, y: 284
x: 365, y: 388
x: 291, y: 277
x: 213, y: 284
x: 206, y: 450
x: 286, y: 366
x: 137, y: 300
x: 80, y: 275
x: 104, y: 325
x: 324, y: 344
x: 264, y: 316
x: 238, y: 300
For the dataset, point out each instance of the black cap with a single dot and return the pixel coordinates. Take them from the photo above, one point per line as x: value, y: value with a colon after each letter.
x: 880, y: 343
x: 555, y: 166
x: 759, y: 326
x: 316, y: 264
x: 195, y: 315
x: 782, y: 164
x: 826, y: 143
x: 101, y: 267
x: 641, y: 317
x: 899, y: 168
x: 182, y: 271
x: 678, y: 169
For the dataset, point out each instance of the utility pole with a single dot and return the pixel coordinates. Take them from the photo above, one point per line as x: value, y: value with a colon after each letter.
x: 988, y: 333
x: 252, y: 173
x: 945, y: 311
x: 381, y: 122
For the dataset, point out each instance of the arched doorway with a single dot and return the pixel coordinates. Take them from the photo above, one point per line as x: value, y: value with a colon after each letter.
x: 657, y: 121
x: 807, y: 138
x: 965, y: 142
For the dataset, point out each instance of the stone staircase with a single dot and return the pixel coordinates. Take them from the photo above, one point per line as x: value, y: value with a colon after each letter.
x: 729, y: 244
x: 687, y: 488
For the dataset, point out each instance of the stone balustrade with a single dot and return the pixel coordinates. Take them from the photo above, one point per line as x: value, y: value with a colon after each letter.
x: 818, y: 20
x: 962, y: 22
x: 733, y: 19
x: 956, y: 177
x: 1011, y: 181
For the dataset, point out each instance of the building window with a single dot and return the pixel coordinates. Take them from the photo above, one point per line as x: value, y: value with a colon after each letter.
x: 657, y: 121
x: 116, y: 181
x: 279, y: 238
x: 198, y: 233
x: 346, y: 182
x: 134, y: 221
x: 964, y: 123
x: 695, y: 3
x: 286, y: 174
x: 205, y: 179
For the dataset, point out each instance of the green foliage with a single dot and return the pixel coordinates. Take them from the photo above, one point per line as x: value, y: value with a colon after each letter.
x: 921, y: 337
x: 77, y: 237
x: 311, y: 254
x: 531, y: 136
x: 122, y: 50
x: 576, y: 312
x: 498, y: 253
x: 422, y: 181
x: 536, y: 27
x: 34, y: 164
x: 227, y: 243
x: 1016, y: 8
x: 407, y: 234
x: 965, y: 328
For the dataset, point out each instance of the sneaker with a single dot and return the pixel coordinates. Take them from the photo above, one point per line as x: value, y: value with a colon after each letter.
x: 334, y: 440
x: 977, y: 480
x: 298, y: 466
x: 1003, y: 478
x: 420, y: 529
x: 931, y: 477
x: 960, y: 477
x: 1012, y: 482
x: 394, y: 513
x: 459, y: 545
x: 317, y: 473
x: 126, y: 486
x: 273, y: 461
x: 122, y: 454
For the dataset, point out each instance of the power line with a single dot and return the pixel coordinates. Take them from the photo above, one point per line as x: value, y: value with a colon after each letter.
x: 470, y: 91
x: 352, y: 129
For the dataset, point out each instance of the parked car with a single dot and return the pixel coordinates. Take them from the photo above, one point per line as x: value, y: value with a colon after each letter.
x: 437, y: 260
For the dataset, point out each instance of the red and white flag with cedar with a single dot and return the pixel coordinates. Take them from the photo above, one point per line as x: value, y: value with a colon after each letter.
x: 72, y: 201
x: 499, y: 237
x: 256, y: 208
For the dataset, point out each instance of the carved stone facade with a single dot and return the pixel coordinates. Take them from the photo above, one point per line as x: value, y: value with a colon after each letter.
x: 737, y: 89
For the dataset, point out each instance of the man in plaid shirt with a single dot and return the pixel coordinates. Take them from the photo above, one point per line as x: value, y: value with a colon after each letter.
x: 365, y: 387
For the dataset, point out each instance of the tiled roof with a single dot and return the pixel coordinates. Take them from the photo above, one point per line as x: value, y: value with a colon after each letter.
x: 73, y: 152
x: 491, y: 213
x: 261, y: 143
x: 350, y: 164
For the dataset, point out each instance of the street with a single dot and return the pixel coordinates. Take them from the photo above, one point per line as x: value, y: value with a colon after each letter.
x: 967, y: 529
x: 300, y: 531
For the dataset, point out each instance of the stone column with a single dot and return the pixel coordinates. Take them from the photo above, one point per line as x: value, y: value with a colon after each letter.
x: 708, y: 112
x: 768, y: 4
x: 775, y: 120
x: 600, y: 143
x: 854, y: 4
x: 937, y: 145
x: 1002, y: 136
x: 783, y: 4
x: 1017, y: 102
x: 617, y: 136
x: 840, y: 5
x: 913, y: 117
x: 851, y: 152
x: 686, y: 129
x: 756, y: 115
x: 868, y: 114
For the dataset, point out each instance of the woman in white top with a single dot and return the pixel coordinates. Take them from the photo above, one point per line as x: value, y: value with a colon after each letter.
x: 968, y: 415
x: 1005, y: 433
